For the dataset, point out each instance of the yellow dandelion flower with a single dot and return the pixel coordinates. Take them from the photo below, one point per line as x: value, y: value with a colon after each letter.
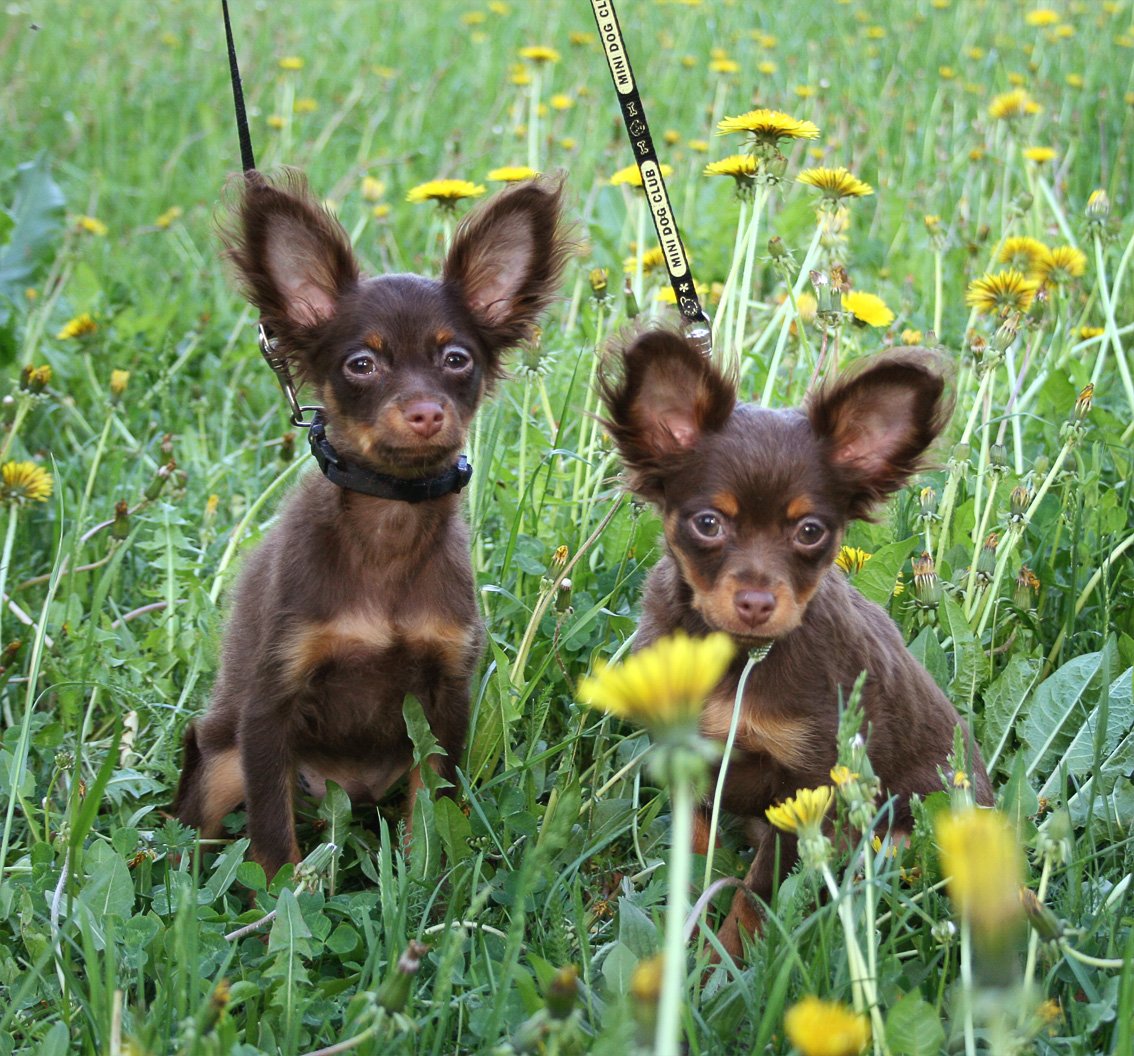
x: 561, y: 101
x: 1010, y: 105
x: 806, y: 305
x: 826, y: 1028
x: 1039, y: 155
x: 275, y: 121
x: 444, y: 192
x: 767, y: 67
x: 1074, y: 80
x: 876, y: 32
x: 981, y: 857
x: 671, y: 136
x: 498, y: 7
x: 1060, y: 265
x: 765, y: 40
x: 167, y: 218
x: 1006, y: 291
x: 380, y: 211
x: 306, y: 105
x: 24, y: 482
x: 119, y: 379
x: 867, y: 308
x: 724, y: 66
x: 1042, y: 16
x: 843, y: 775
x: 804, y: 810
x: 80, y: 326
x: 662, y: 685
x: 373, y: 189
x: 568, y: 143
x: 1021, y: 253
x: 474, y: 18
x: 651, y: 260
x: 666, y: 295
x: 631, y: 177
x: 741, y: 167
x: 852, y: 559
x: 92, y: 225
x: 804, y: 91
x: 835, y: 184
x: 1087, y: 332
x: 912, y: 337
x: 1017, y: 80
x: 291, y: 62
x: 512, y: 174
x: 768, y: 126
x: 580, y: 39
x: 699, y: 146
x: 946, y: 73
x: 539, y: 54
x: 975, y: 53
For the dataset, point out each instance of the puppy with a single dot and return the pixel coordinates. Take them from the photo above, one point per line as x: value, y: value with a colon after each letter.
x: 755, y: 502
x: 363, y: 591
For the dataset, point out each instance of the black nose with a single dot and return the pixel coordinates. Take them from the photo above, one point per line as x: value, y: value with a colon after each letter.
x: 754, y: 607
x: 424, y: 417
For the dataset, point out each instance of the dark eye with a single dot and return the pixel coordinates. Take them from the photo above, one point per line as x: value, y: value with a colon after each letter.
x: 361, y: 365
x: 811, y: 533
x: 707, y: 524
x: 456, y: 358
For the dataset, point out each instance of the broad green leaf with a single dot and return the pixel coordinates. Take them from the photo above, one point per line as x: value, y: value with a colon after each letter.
x: 37, y: 218
x: 290, y: 932
x: 424, y: 744
x: 636, y: 930
x: 453, y: 828
x: 927, y: 651
x: 968, y: 664
x: 1004, y: 702
x: 879, y: 575
x: 224, y: 872
x: 913, y: 1028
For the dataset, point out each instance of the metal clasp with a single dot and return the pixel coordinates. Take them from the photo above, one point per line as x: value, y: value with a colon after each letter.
x: 699, y: 333
x: 269, y: 350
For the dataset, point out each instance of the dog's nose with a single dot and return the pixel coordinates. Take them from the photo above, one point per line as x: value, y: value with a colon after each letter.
x: 754, y: 607
x: 424, y: 417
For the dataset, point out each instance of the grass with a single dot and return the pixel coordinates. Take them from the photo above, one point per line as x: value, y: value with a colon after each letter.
x: 111, y: 940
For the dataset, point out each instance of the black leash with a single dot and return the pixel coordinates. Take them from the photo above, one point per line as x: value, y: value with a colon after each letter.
x: 335, y: 468
x: 698, y: 328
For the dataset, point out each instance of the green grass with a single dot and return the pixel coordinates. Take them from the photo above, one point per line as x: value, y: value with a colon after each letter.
x: 112, y: 941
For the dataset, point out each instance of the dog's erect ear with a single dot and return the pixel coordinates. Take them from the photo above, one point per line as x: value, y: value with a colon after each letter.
x: 661, y: 397
x: 877, y: 419
x: 294, y: 259
x: 507, y: 258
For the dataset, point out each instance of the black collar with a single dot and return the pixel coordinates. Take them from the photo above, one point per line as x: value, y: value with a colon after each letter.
x: 382, y: 486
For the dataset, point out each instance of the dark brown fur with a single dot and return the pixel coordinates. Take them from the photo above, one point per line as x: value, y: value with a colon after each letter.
x: 755, y: 502
x: 351, y: 602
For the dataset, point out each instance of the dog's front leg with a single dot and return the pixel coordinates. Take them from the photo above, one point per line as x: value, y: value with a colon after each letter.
x: 268, y: 762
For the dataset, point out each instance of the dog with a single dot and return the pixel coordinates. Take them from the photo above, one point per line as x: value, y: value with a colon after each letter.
x: 755, y: 502
x: 354, y: 600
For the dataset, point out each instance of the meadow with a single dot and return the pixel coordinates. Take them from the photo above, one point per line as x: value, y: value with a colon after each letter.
x: 145, y: 447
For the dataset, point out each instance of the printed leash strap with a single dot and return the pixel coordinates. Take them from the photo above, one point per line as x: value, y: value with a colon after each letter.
x: 697, y: 324
x: 268, y: 347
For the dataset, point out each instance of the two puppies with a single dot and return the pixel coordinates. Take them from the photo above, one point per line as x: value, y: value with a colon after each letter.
x: 755, y: 502
x: 353, y: 600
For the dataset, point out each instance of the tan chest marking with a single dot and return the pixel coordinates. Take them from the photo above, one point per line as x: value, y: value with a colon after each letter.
x: 784, y: 738
x: 365, y: 633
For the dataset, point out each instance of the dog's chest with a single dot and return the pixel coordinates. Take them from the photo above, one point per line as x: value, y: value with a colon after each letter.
x: 762, y: 728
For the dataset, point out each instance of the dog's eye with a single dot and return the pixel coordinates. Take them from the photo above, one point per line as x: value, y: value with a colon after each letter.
x: 456, y: 358
x: 361, y: 365
x: 810, y: 533
x: 708, y: 525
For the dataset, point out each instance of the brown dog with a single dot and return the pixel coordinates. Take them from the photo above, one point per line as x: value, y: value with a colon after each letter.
x: 363, y: 592
x: 755, y: 502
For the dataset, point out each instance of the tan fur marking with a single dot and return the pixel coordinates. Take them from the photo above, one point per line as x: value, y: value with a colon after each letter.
x: 785, y: 739
x: 223, y: 791
x: 726, y: 502
x: 374, y: 340
x: 799, y: 508
x: 453, y: 641
x: 444, y: 337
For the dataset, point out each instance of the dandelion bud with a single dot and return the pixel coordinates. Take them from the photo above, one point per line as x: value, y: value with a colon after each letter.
x: 167, y: 444
x: 928, y: 500
x: 776, y: 248
x: 1023, y: 202
x: 1083, y: 402
x: 598, y: 283
x: 986, y: 559
x: 998, y: 457
x: 1044, y: 923
x: 287, y: 447
x: 943, y: 931
x: 645, y: 989
x: 160, y: 477
x: 563, y: 596
x: 1027, y: 587
x: 559, y: 559
x: 218, y: 1002
x: 26, y: 373
x: 562, y: 992
x: 1019, y: 501
x: 1005, y: 333
x: 927, y: 584
x: 119, y: 379
x: 395, y: 989
x: 775, y: 167
x: 933, y: 224
x: 960, y: 453
x: 978, y: 346
x: 631, y: 300
x: 120, y: 527
x: 38, y: 378
x: 1098, y: 206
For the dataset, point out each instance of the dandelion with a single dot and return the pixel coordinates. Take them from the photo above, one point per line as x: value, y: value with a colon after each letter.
x: 1074, y: 80
x: 767, y: 67
x: 166, y: 219
x: 561, y: 101
x: 982, y: 860
x: 1042, y: 16
x: 768, y: 127
x: 306, y: 105
x: 291, y: 62
x: 867, y: 309
x: 79, y: 326
x: 802, y: 812
x: 826, y: 1028
x: 910, y: 336
x: 474, y: 18
x: 119, y: 379
x: 1039, y: 155
x: 741, y: 167
x: 1059, y: 266
x: 22, y: 483
x: 843, y: 775
x: 380, y: 211
x: 92, y: 225
x: 580, y: 39
x: 373, y: 189
x: 632, y: 177
x: 1087, y: 332
x: 512, y: 174
x: 276, y: 121
x: 650, y: 260
x: 724, y: 66
x: 1006, y: 291
x: 1010, y: 105
x: 835, y: 184
x: 699, y: 146
x: 446, y: 193
x: 664, y: 684
x: 539, y: 54
x: 852, y: 559
x: 1021, y: 253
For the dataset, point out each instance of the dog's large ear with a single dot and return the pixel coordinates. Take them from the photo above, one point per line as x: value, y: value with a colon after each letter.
x: 661, y: 396
x: 877, y: 419
x: 507, y: 258
x: 293, y: 257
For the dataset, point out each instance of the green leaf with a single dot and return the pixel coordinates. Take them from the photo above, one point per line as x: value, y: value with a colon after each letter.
x: 334, y: 812
x: 1004, y: 701
x: 453, y: 828
x: 108, y: 891
x: 879, y: 575
x: 290, y: 932
x: 968, y: 663
x: 424, y: 744
x: 224, y: 872
x: 913, y: 1028
x: 88, y: 808
x: 927, y: 651
x: 636, y: 930
x: 37, y: 218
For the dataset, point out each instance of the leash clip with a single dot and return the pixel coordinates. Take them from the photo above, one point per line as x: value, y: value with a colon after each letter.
x: 269, y: 349
x: 699, y: 333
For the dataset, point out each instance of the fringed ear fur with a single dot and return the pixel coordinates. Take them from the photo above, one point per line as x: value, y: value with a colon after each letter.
x: 661, y: 395
x: 877, y: 420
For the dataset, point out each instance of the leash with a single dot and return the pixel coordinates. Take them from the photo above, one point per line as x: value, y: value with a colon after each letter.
x: 697, y: 326
x: 334, y: 467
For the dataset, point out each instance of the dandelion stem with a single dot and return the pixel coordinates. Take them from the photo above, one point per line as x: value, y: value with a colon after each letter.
x: 967, y: 986
x: 668, y: 1037
x: 1111, y: 337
